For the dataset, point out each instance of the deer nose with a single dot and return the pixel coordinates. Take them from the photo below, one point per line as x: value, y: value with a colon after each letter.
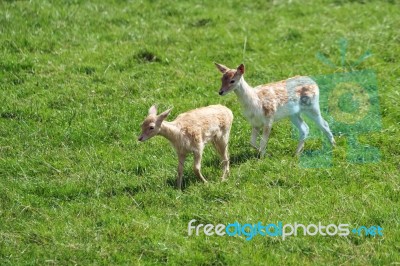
x: 221, y: 92
x: 140, y: 138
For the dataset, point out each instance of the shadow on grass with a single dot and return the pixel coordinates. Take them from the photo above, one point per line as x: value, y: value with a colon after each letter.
x: 243, y: 157
x: 234, y: 159
x: 189, y: 179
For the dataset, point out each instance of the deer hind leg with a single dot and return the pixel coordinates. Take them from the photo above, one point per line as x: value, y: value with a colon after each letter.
x: 197, y: 164
x: 303, y: 131
x: 315, y: 115
x: 221, y: 145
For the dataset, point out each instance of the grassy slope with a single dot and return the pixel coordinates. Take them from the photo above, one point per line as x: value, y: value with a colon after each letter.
x: 76, y: 81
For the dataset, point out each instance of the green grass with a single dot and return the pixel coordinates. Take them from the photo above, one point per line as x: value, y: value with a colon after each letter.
x: 78, y: 77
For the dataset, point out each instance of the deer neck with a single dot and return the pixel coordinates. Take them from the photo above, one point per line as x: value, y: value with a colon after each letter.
x: 170, y: 131
x: 246, y: 94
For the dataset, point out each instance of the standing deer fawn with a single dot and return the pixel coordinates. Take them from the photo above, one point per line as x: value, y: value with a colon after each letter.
x: 271, y: 102
x: 189, y: 133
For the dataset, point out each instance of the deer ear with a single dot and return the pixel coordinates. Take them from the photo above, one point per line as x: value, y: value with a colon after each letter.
x: 163, y: 115
x: 221, y: 68
x: 241, y: 69
x: 153, y: 110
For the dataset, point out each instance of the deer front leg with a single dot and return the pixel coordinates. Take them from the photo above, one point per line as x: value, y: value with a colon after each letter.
x: 181, y: 163
x: 253, y: 140
x: 264, y: 138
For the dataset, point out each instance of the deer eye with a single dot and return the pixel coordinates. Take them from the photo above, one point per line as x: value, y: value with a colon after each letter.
x: 151, y: 127
x: 232, y: 81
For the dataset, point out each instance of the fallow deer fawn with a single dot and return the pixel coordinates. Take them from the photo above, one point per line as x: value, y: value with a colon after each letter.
x: 189, y: 133
x: 267, y: 103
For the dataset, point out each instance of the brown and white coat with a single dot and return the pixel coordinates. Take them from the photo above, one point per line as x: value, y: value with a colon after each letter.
x: 190, y: 132
x: 271, y: 102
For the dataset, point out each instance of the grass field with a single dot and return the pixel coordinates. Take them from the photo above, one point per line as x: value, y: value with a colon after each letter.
x: 77, y: 79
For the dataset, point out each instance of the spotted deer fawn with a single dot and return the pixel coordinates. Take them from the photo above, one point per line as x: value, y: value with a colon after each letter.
x: 190, y: 132
x: 271, y: 102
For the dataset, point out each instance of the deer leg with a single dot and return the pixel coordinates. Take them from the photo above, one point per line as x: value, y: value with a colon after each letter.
x: 197, y: 164
x: 221, y: 145
x: 264, y: 139
x: 315, y: 115
x: 253, y: 141
x: 181, y: 163
x: 303, y: 131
